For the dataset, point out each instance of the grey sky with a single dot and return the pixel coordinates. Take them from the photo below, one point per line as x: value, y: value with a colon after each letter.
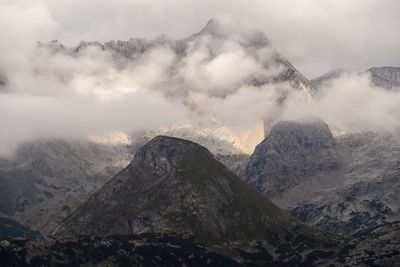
x: 315, y: 35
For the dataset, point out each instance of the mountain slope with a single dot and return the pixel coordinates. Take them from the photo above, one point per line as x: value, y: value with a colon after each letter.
x: 292, y: 153
x: 46, y: 179
x: 343, y: 184
x: 329, y: 77
x: 367, y: 195
x: 174, y: 186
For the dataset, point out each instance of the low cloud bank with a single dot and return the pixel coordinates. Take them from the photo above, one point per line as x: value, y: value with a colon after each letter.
x: 53, y: 91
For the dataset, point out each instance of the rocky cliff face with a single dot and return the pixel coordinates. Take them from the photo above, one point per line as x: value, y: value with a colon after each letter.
x: 174, y: 186
x: 343, y: 184
x: 293, y: 152
x: 386, y: 77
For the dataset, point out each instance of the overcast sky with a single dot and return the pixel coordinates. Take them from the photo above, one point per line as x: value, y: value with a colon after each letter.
x: 315, y: 35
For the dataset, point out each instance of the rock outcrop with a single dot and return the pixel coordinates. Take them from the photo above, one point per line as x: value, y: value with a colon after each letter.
x: 343, y: 184
x: 292, y: 154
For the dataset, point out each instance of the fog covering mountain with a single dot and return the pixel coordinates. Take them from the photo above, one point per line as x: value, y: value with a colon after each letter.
x: 342, y: 184
x: 385, y: 77
x: 45, y: 177
x: 329, y: 76
x: 203, y: 80
x: 223, y: 88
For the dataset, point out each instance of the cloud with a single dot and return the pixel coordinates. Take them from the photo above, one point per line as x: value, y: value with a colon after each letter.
x: 315, y: 35
x: 54, y: 92
x: 27, y: 117
x: 351, y: 104
x: 22, y: 24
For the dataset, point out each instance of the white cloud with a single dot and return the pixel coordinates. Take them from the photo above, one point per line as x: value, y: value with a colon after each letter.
x: 59, y: 95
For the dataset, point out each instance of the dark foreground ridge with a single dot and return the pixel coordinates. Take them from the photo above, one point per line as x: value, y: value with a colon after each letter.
x: 140, y: 250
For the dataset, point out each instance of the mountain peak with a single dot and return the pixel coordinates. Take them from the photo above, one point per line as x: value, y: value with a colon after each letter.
x: 291, y: 151
x: 220, y: 29
x: 162, y: 153
x: 212, y: 26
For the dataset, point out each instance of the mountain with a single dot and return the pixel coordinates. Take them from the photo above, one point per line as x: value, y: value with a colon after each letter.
x: 293, y: 152
x: 45, y: 174
x: 386, y: 77
x: 343, y: 184
x: 46, y: 179
x: 174, y: 186
x: 208, y: 43
x: 175, y: 204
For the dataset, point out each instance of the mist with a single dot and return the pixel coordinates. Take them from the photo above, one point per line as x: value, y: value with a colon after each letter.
x: 56, y: 91
x: 350, y: 104
x: 316, y: 36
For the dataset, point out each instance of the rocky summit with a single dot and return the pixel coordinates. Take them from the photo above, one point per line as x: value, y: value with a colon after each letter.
x: 293, y: 152
x: 344, y: 184
x: 176, y: 187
